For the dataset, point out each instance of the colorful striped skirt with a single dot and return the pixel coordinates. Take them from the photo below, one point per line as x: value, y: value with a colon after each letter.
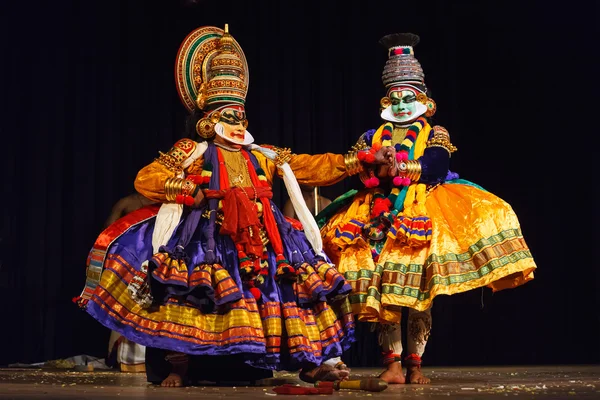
x: 476, y: 241
x: 203, y: 309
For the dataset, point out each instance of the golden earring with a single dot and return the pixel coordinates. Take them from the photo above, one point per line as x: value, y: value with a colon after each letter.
x: 427, y: 102
x: 422, y: 98
x: 385, y: 102
x: 205, y: 128
x: 431, y: 107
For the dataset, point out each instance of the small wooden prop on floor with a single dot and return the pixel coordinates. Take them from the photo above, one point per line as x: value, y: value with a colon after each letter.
x: 292, y: 389
x: 367, y: 384
x: 321, y: 387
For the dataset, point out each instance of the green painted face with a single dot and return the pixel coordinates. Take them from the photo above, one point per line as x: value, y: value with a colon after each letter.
x: 404, y: 105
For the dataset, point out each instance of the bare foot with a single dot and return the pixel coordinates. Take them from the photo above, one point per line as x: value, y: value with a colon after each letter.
x: 173, y: 380
x: 179, y: 369
x: 393, y: 374
x: 324, y: 373
x: 415, y: 376
x: 342, y: 367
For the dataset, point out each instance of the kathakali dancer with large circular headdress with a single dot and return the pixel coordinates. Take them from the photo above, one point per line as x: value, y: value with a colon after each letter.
x: 216, y: 269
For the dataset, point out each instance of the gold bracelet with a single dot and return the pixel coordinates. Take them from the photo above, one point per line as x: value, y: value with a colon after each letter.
x: 173, y: 187
x: 177, y: 186
x: 168, y: 189
x: 410, y: 169
x: 348, y: 162
x: 413, y: 170
x: 352, y: 163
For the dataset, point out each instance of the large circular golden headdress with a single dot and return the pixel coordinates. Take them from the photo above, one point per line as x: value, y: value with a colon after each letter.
x: 211, y: 70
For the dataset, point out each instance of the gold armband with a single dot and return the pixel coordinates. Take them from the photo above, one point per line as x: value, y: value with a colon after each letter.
x: 284, y: 155
x: 353, y: 164
x: 441, y: 138
x: 360, y: 144
x: 177, y: 155
x: 168, y: 161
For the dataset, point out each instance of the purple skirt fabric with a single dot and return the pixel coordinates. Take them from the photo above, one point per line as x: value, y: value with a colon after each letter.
x: 304, y: 321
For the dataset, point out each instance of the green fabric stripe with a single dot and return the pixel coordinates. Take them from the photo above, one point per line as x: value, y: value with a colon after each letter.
x: 482, y: 271
x: 356, y: 275
x: 373, y: 292
x: 223, y: 99
x: 450, y: 280
x: 475, y: 248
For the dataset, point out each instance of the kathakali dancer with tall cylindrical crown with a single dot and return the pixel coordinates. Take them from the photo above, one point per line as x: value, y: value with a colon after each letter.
x: 216, y: 269
x: 416, y: 230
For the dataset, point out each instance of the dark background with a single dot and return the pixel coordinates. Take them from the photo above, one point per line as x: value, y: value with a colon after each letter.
x: 88, y: 98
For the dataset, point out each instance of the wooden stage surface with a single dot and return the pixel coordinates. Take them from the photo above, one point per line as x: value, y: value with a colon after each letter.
x: 535, y: 382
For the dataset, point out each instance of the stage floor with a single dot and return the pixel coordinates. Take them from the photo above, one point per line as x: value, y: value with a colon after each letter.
x: 547, y: 382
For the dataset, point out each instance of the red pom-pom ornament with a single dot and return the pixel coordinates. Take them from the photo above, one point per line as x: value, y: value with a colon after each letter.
x: 401, y: 156
x: 372, y: 182
x: 188, y: 201
x: 255, y: 292
x: 197, y: 179
x: 401, y: 181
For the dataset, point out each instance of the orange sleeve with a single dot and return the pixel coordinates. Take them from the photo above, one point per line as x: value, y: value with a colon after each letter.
x: 314, y: 170
x: 319, y: 169
x: 150, y: 180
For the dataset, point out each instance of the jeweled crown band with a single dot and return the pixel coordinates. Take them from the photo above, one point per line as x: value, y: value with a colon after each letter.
x: 394, y: 51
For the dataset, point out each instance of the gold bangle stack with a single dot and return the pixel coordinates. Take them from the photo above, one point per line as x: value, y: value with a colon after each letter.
x: 353, y: 164
x: 410, y: 169
x: 413, y: 170
x: 173, y: 187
